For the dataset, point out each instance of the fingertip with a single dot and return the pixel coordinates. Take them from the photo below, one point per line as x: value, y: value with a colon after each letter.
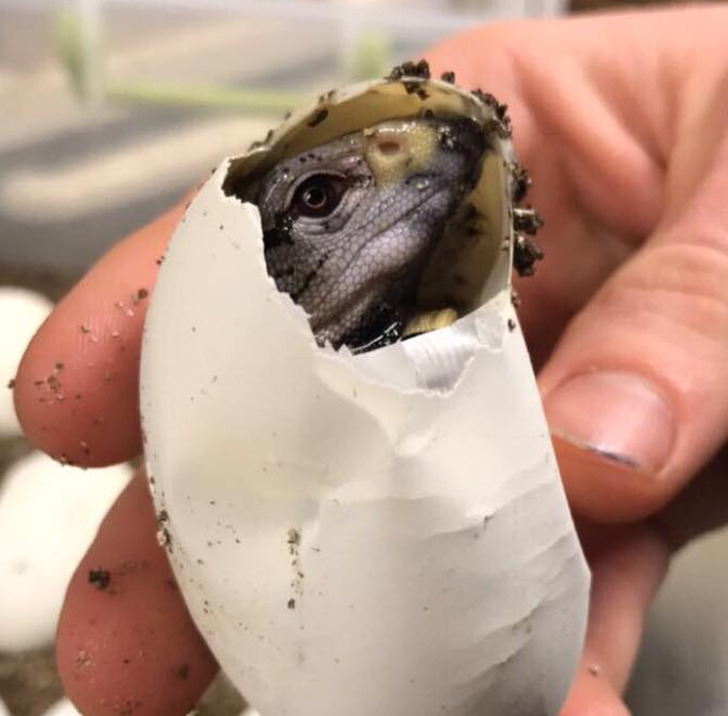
x: 628, y: 564
x: 76, y: 389
x: 637, y: 382
x: 604, y: 488
x: 125, y: 642
x: 592, y: 695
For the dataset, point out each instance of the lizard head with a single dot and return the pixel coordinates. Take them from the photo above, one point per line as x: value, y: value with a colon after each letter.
x: 349, y: 226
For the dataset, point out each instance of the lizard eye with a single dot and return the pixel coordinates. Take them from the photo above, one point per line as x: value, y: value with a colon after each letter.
x: 318, y: 195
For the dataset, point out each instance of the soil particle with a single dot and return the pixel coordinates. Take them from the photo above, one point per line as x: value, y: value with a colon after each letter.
x: 99, y: 578
x: 525, y: 256
x: 521, y: 182
x: 294, y: 539
x: 410, y: 69
x: 294, y: 542
x: 164, y: 538
x: 82, y: 660
x: 527, y: 220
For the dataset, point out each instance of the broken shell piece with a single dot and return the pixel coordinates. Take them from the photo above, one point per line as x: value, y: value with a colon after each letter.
x: 375, y: 533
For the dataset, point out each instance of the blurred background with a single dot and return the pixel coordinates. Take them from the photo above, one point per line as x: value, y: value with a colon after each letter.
x: 110, y: 110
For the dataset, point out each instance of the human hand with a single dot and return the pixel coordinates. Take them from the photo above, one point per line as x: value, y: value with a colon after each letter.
x: 621, y: 121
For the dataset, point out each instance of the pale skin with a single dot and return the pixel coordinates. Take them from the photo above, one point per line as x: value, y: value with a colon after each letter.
x: 622, y: 121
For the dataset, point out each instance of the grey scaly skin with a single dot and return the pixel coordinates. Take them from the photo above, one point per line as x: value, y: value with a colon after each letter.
x: 349, y: 226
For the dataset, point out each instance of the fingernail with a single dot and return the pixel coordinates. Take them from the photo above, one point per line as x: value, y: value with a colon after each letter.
x: 620, y: 416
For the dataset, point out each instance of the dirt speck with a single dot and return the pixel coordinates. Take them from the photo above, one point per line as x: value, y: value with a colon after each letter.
x: 294, y: 539
x: 410, y: 69
x: 164, y: 538
x: 83, y: 659
x: 99, y: 578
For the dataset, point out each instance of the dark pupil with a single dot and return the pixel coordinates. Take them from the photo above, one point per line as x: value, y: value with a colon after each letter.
x: 318, y: 195
x: 315, y: 198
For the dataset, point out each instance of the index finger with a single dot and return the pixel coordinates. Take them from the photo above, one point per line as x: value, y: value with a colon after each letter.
x: 76, y: 390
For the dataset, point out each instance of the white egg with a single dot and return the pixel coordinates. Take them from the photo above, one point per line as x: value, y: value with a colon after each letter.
x: 21, y: 313
x: 379, y: 533
x: 63, y: 708
x: 49, y: 515
x: 250, y: 711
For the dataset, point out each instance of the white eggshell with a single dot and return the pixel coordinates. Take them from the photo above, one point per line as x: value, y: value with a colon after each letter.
x: 21, y: 313
x: 3, y: 709
x: 63, y: 708
x: 384, y: 533
x: 49, y: 515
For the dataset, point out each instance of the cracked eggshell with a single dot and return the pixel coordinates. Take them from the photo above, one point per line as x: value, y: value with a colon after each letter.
x: 382, y: 533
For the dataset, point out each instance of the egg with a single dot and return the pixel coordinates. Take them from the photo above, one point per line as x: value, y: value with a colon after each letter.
x: 49, y: 514
x: 363, y: 531
x: 62, y: 708
x: 21, y: 313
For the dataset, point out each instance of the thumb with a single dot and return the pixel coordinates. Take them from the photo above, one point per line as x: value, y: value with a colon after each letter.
x: 636, y: 391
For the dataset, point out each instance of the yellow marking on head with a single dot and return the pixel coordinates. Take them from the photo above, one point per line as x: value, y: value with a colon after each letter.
x: 399, y: 149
